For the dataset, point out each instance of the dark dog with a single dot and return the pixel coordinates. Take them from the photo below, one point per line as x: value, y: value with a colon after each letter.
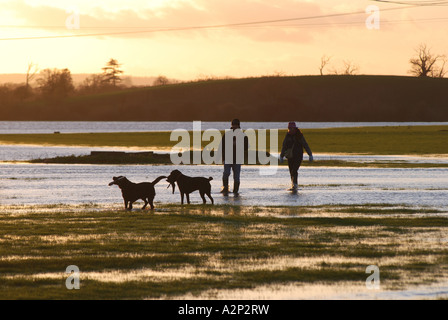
x: 134, y: 191
x: 188, y: 184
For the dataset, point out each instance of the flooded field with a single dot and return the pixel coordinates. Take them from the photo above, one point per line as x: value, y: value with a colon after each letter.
x: 29, y: 184
x: 267, y: 243
x: 223, y: 252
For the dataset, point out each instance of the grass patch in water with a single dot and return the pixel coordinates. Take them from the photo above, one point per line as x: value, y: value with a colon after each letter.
x: 116, y: 159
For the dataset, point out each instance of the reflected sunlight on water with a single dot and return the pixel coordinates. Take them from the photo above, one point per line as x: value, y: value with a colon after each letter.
x: 37, y: 184
x: 322, y: 291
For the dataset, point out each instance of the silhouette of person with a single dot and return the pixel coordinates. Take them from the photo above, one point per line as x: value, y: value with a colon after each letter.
x: 234, y: 145
x: 293, y: 145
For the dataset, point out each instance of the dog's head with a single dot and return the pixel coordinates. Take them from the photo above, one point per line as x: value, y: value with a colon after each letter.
x: 119, y: 181
x: 172, y: 178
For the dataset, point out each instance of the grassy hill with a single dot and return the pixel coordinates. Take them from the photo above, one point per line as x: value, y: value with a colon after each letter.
x: 303, y: 98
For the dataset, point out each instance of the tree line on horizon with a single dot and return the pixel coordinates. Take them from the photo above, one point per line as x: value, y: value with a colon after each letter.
x: 51, y: 86
x: 424, y: 63
x: 54, y: 84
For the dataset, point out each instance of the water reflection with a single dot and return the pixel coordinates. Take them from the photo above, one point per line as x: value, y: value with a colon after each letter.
x: 29, y: 184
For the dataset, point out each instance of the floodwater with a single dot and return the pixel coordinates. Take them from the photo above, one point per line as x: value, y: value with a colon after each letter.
x: 77, y: 185
x: 30, y: 152
x: 34, y: 184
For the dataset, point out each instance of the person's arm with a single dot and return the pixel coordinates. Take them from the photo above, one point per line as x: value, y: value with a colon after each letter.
x: 282, y: 153
x: 307, y: 148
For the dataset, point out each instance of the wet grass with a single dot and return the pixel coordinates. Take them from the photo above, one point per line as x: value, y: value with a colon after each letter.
x: 399, y: 140
x: 149, y: 140
x: 192, y: 249
x: 380, y: 140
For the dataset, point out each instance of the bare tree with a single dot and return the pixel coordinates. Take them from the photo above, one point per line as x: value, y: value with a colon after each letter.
x: 161, y: 81
x: 439, y: 71
x: 94, y: 83
x: 31, y: 73
x: 112, y: 72
x: 350, y: 68
x: 424, y: 64
x: 55, y: 83
x: 324, y: 61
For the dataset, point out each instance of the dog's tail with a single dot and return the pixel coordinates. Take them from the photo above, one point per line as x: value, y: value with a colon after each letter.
x: 158, y: 179
x: 210, y: 178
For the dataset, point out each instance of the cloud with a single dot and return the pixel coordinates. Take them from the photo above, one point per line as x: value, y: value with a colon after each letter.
x: 183, y: 15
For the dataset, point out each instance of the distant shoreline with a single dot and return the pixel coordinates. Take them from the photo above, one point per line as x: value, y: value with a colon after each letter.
x: 49, y: 127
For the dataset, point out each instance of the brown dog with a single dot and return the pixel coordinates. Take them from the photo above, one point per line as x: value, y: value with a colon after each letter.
x: 188, y: 184
x: 134, y: 191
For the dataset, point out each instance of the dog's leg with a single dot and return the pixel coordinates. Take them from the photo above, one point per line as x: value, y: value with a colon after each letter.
x: 125, y: 204
x: 202, y: 196
x: 146, y: 203
x: 209, y: 195
x: 130, y: 206
x: 188, y: 198
x: 151, y: 203
x: 181, y: 198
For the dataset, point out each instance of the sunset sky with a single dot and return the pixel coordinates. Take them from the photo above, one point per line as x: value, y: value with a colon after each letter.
x: 190, y: 39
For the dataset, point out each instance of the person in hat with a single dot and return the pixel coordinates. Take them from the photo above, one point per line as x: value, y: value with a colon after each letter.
x: 239, y: 144
x: 292, y: 148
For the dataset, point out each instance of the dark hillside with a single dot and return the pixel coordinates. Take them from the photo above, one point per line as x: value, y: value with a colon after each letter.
x: 303, y: 98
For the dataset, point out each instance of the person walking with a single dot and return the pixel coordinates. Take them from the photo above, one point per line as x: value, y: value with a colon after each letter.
x: 239, y: 144
x: 292, y: 148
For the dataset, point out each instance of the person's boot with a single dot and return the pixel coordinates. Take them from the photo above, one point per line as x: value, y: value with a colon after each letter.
x: 295, y: 184
x: 225, y: 186
x: 236, y: 187
x: 292, y: 185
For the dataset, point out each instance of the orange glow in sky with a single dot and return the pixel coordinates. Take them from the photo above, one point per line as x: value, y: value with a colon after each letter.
x: 188, y: 39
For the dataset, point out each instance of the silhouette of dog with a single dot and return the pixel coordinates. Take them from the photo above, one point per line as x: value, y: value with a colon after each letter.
x: 134, y: 191
x: 188, y: 184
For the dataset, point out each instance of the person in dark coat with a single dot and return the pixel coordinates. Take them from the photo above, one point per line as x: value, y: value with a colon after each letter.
x: 292, y: 148
x: 233, y: 164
